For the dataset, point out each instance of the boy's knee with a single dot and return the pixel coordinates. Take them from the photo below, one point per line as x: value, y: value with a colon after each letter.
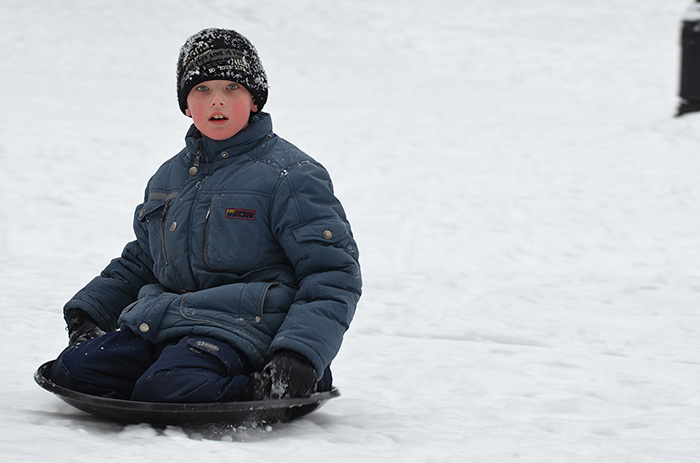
x: 195, y: 370
x: 97, y: 366
x: 74, y: 370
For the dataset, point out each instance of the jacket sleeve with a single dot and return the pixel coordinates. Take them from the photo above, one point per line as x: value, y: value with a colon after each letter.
x: 118, y: 284
x: 310, y: 224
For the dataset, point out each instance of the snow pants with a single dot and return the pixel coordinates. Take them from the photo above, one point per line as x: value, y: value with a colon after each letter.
x: 122, y: 365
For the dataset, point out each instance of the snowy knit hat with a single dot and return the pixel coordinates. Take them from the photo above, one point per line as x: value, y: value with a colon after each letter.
x: 220, y: 54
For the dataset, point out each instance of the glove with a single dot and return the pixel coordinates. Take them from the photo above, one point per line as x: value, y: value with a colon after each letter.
x: 81, y: 327
x: 287, y: 375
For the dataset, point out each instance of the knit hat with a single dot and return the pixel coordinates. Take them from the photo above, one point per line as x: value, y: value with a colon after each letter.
x: 220, y: 54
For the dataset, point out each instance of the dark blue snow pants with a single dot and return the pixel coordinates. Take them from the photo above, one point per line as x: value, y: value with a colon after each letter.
x: 122, y: 365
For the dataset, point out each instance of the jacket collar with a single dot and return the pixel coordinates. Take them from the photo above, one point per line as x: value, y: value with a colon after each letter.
x: 257, y: 131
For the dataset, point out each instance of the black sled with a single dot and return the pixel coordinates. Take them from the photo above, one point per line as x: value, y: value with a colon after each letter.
x: 245, y: 413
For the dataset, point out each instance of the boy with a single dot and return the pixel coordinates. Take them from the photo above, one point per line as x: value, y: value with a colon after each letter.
x: 243, y: 261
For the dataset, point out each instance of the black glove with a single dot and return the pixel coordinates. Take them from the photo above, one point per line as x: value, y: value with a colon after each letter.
x: 287, y: 375
x: 81, y: 327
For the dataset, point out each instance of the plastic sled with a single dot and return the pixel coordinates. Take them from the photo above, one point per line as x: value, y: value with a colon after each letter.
x: 244, y: 413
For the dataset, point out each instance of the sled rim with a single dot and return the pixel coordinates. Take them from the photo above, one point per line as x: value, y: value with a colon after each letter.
x: 130, y: 411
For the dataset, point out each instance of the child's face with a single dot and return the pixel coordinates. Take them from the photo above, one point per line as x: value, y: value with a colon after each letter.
x: 220, y: 108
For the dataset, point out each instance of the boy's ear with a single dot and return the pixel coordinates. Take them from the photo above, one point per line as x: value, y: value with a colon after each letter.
x: 254, y: 108
x: 188, y: 113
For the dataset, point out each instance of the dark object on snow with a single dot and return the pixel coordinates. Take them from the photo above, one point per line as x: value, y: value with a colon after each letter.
x: 248, y: 413
x: 690, y: 61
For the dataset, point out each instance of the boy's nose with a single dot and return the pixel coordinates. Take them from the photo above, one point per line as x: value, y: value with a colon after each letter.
x: 217, y: 100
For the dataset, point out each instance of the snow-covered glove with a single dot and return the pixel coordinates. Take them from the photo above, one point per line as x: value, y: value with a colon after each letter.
x: 81, y: 327
x: 287, y: 375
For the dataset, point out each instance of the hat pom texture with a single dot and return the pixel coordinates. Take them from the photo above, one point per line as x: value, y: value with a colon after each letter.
x: 220, y: 54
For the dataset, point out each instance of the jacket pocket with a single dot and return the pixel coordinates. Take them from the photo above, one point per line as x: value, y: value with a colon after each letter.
x: 323, y: 245
x: 152, y: 216
x: 319, y: 239
x: 235, y: 232
x: 328, y: 231
x: 228, y: 305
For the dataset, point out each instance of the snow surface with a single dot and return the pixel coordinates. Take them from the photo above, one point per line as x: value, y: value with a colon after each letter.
x: 525, y: 203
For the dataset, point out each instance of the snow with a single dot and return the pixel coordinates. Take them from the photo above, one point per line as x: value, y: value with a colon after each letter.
x: 692, y: 14
x: 524, y: 201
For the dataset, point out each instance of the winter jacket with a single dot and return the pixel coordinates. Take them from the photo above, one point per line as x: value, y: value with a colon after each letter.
x: 242, y: 240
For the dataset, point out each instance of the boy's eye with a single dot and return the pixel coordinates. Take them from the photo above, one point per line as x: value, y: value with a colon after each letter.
x: 202, y: 88
x: 232, y: 86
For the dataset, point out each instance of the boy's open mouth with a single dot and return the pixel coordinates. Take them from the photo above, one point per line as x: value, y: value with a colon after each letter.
x: 218, y: 117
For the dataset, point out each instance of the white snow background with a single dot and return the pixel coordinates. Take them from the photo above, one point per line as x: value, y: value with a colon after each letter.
x: 525, y: 203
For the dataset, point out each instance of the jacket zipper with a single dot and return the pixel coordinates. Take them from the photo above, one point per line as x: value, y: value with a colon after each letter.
x: 162, y: 229
x: 200, y: 149
x: 206, y: 239
x: 259, y: 318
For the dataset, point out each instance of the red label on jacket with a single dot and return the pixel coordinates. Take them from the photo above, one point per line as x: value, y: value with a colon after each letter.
x: 243, y: 214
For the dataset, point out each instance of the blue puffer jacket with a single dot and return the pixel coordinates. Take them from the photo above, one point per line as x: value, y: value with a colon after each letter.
x: 242, y: 240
